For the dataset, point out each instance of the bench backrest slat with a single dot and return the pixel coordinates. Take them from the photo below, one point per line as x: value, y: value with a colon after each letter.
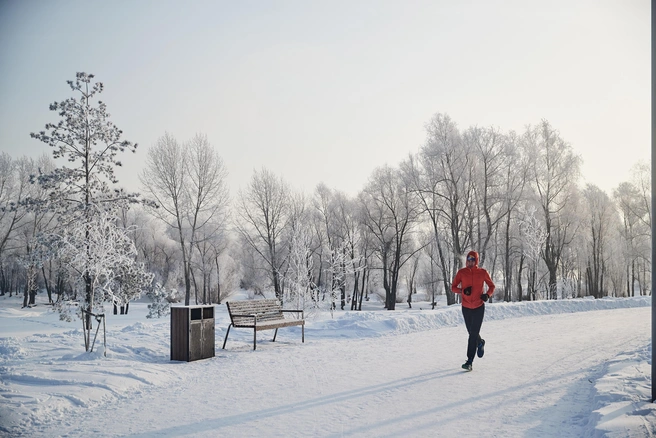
x: 267, y: 309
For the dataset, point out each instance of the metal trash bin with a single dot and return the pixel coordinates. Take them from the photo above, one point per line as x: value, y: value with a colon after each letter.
x: 192, y: 332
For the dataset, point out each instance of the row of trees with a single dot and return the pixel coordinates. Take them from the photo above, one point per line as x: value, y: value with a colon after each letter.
x: 514, y: 197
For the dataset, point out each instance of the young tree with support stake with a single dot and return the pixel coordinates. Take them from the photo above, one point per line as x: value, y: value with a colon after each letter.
x: 80, y: 194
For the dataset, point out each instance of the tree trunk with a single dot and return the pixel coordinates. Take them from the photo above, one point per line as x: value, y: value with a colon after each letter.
x: 365, y: 276
x: 3, y: 279
x: 386, y: 284
x: 218, y: 281
x: 342, y: 286
x: 25, y: 296
x: 507, y: 277
x: 193, y: 278
x: 520, y: 291
x: 355, y: 298
x: 633, y: 279
x: 47, y: 284
x: 628, y: 281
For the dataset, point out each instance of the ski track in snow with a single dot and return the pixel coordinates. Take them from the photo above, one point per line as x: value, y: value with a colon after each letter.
x: 369, y: 373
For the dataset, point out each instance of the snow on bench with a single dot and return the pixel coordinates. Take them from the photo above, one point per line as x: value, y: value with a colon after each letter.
x: 262, y: 315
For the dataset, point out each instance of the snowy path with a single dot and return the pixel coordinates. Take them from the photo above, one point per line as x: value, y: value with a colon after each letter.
x: 536, y: 379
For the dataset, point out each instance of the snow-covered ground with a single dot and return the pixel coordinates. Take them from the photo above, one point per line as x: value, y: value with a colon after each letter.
x: 553, y: 368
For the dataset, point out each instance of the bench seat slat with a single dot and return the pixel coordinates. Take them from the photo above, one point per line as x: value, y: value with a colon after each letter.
x: 262, y: 325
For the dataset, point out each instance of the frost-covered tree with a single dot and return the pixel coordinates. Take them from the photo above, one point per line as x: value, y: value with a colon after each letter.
x: 12, y: 191
x: 390, y: 212
x: 411, y: 276
x: 156, y: 249
x: 449, y: 164
x: 554, y: 175
x: 601, y: 221
x: 440, y: 178
x: 34, y: 223
x: 339, y: 269
x: 263, y: 215
x: 633, y: 200
x: 160, y: 305
x: 90, y: 142
x: 352, y: 234
x: 17, y: 224
x: 515, y: 171
x: 227, y: 274
x: 533, y: 237
x: 301, y: 292
x: 488, y: 151
x: 325, y: 226
x: 430, y: 274
x: 130, y: 280
x: 338, y: 225
x: 188, y: 182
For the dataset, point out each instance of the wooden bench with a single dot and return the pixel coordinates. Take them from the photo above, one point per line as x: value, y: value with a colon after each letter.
x: 262, y: 315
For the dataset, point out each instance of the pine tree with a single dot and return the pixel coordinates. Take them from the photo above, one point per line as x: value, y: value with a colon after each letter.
x: 85, y: 194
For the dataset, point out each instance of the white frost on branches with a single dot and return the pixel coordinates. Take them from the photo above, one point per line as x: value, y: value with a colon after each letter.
x: 532, y: 233
x: 105, y: 253
x: 161, y: 302
x: 341, y: 266
x: 301, y: 289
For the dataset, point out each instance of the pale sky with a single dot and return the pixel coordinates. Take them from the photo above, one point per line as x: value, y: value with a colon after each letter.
x: 328, y: 90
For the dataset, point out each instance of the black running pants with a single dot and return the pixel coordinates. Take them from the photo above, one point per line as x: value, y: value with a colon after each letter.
x: 473, y: 321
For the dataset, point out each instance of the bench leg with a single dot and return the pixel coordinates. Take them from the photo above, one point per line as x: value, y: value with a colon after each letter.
x: 254, y: 339
x: 302, y: 332
x: 226, y: 337
x: 274, y: 335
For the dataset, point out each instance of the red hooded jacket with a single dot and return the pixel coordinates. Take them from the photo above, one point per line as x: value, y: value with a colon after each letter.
x: 474, y: 277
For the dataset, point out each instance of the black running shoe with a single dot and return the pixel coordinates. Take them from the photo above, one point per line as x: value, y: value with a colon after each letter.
x: 480, y: 350
x: 467, y: 366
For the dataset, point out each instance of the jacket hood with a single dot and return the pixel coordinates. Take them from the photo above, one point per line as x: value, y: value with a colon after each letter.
x: 473, y: 254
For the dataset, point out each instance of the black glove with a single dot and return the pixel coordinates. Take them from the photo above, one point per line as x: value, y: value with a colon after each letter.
x: 484, y: 297
x: 467, y: 291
